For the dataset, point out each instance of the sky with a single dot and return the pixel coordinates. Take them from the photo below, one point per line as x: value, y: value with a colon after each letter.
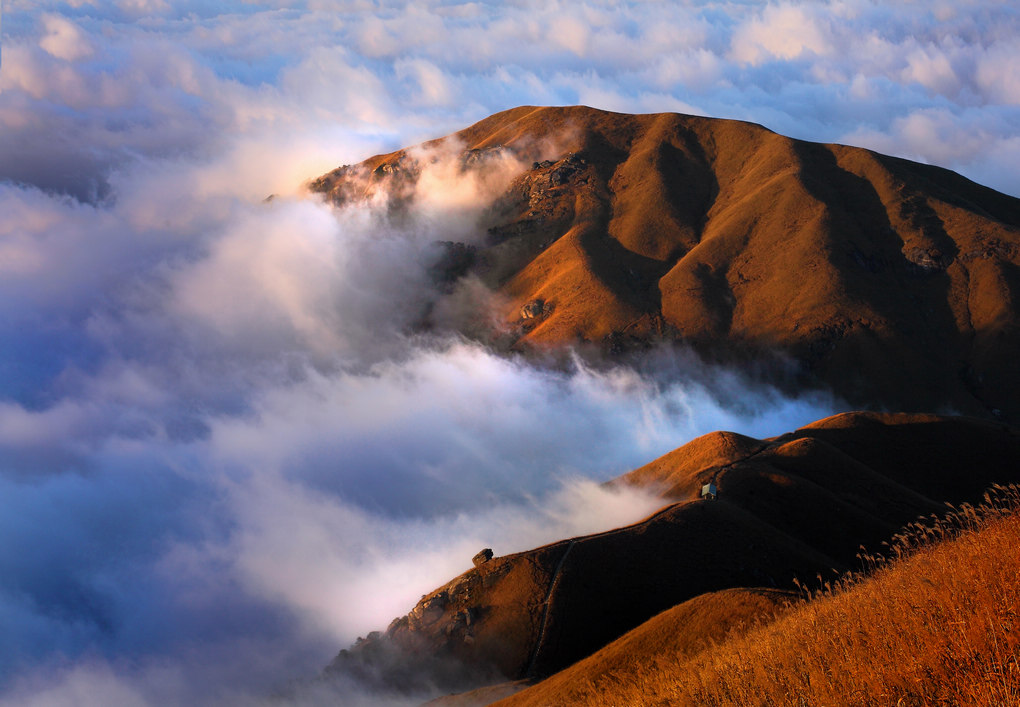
x: 223, y: 455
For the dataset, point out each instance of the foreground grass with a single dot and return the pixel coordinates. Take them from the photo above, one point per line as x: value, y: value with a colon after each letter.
x: 937, y: 624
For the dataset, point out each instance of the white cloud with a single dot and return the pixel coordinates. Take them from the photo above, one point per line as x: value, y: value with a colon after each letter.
x: 934, y: 136
x: 348, y: 572
x: 571, y: 33
x: 781, y: 32
x: 933, y: 69
x: 433, y: 86
x: 94, y: 685
x: 995, y: 74
x: 63, y: 39
x: 695, y: 70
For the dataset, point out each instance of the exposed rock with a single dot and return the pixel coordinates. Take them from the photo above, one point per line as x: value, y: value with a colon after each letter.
x: 927, y: 261
x: 533, y: 309
x: 482, y: 557
x: 429, y: 610
x: 479, y: 156
x: 462, y: 589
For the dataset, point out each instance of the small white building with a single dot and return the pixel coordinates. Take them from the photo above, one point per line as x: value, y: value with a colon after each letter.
x: 709, y: 491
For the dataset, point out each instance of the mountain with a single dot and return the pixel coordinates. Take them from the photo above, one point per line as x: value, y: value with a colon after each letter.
x: 935, y: 625
x: 793, y: 506
x: 674, y: 636
x: 892, y: 283
x: 895, y: 284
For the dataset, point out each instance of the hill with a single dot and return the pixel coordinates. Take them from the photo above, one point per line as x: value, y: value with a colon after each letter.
x: 798, y: 505
x: 936, y: 626
x: 893, y: 283
x: 680, y: 633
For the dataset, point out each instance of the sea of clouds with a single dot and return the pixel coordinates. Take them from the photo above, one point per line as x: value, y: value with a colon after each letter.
x: 224, y: 452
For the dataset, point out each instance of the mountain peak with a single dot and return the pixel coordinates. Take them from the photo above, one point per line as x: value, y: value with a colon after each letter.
x: 890, y: 282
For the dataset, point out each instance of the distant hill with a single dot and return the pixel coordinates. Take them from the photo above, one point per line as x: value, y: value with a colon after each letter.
x: 895, y: 284
x: 789, y: 507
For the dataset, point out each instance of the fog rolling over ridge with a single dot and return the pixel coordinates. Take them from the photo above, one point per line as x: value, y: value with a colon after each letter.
x: 227, y: 448
x: 228, y: 451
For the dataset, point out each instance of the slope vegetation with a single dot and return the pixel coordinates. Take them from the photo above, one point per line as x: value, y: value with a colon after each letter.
x: 892, y: 282
x: 937, y: 626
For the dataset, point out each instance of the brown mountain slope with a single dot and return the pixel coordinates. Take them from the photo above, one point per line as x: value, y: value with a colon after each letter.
x: 680, y: 632
x: 795, y: 505
x: 936, y: 626
x: 894, y: 283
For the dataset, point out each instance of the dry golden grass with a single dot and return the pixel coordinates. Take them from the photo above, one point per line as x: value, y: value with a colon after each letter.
x: 936, y: 624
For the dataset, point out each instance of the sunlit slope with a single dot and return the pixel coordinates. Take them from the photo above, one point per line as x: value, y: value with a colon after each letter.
x: 791, y: 506
x: 680, y: 632
x: 893, y: 282
x: 938, y: 627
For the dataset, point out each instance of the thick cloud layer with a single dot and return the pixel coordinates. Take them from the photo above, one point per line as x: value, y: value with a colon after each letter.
x: 223, y: 455
x: 222, y: 447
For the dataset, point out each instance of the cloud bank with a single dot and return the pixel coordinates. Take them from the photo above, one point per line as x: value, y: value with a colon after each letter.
x: 223, y: 452
x: 226, y: 452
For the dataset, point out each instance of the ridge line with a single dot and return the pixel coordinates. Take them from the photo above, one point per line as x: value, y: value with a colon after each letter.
x: 545, y: 610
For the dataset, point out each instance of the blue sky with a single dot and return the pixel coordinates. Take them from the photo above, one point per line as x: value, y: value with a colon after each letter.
x: 221, y: 456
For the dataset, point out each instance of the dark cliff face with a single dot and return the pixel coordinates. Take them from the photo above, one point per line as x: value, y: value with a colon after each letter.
x: 788, y: 507
x: 893, y: 283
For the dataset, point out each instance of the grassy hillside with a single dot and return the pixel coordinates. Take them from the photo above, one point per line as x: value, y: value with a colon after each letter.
x: 937, y: 625
x: 788, y: 507
x: 894, y: 283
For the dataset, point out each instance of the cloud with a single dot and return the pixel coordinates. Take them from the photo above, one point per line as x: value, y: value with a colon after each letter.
x: 82, y: 686
x: 63, y: 39
x: 782, y: 32
x: 188, y: 75
x: 969, y: 139
x: 432, y: 86
x: 993, y: 75
x: 320, y: 513
x: 933, y: 69
x: 221, y: 436
x: 347, y: 571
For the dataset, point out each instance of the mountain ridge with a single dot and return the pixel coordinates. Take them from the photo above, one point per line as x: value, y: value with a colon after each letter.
x: 893, y: 283
x: 797, y: 505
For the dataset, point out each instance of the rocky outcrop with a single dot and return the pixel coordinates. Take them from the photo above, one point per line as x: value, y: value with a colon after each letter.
x: 535, y: 309
x: 482, y: 557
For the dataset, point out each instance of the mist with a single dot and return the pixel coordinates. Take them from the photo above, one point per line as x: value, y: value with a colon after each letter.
x: 228, y: 452
x: 226, y: 448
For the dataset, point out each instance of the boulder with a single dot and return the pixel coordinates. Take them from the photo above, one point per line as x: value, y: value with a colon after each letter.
x: 482, y: 557
x: 533, y: 309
